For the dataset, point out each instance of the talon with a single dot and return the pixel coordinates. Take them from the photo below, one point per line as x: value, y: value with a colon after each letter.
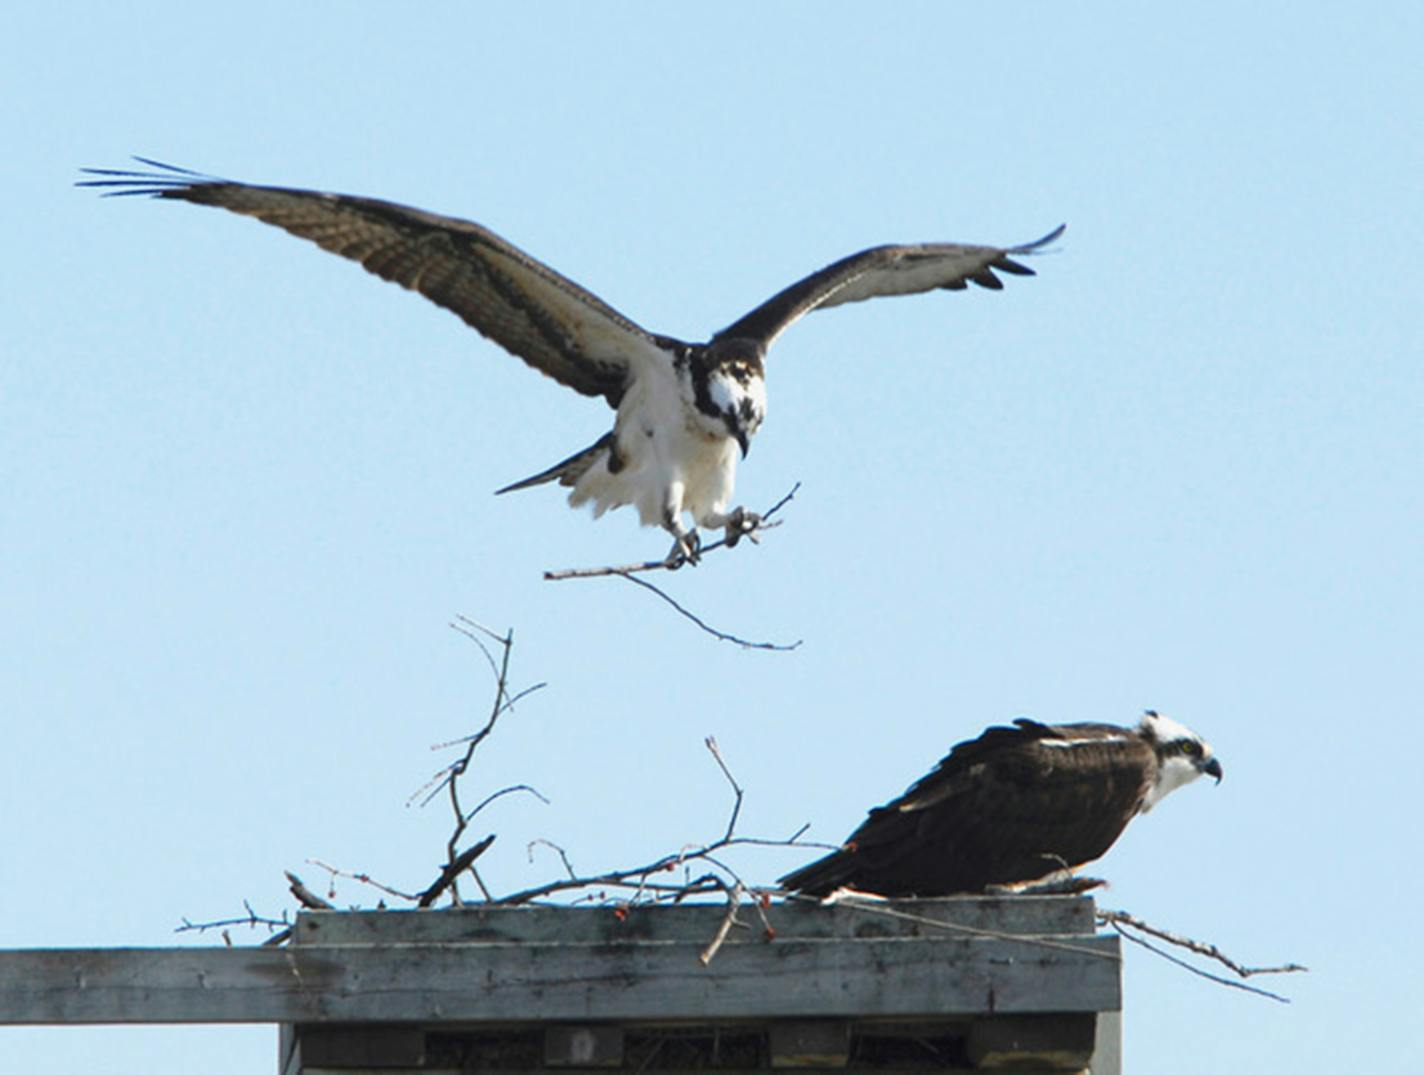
x: 743, y: 523
x: 685, y: 550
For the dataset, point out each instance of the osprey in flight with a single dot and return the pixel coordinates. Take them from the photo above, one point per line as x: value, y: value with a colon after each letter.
x: 1014, y: 806
x: 684, y: 410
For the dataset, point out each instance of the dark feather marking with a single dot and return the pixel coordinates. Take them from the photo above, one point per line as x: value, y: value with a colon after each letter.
x: 886, y: 267
x: 999, y: 809
x: 1009, y: 265
x: 450, y: 261
x: 569, y: 471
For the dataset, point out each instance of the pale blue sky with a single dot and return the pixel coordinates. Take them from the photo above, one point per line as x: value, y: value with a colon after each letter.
x: 245, y: 486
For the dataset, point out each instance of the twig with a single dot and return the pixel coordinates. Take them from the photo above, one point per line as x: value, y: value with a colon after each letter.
x: 1219, y: 979
x: 762, y: 902
x: 457, y: 865
x: 472, y: 629
x: 671, y: 565
x: 281, y: 928
x: 711, y: 743
x: 563, y: 855
x: 449, y: 778
x: 734, y: 897
x: 365, y: 879
x: 640, y: 878
x: 1117, y: 919
x: 874, y: 905
x: 722, y: 636
x: 630, y: 573
x: 305, y: 896
x: 480, y: 881
x: 503, y: 792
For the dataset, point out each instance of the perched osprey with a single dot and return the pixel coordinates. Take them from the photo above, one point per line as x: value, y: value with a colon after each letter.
x: 684, y: 410
x: 1014, y: 805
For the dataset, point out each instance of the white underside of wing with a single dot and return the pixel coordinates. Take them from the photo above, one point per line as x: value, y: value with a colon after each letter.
x: 673, y: 461
x: 913, y: 272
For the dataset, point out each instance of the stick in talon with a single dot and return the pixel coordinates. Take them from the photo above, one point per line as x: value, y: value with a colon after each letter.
x: 743, y: 523
x: 686, y: 548
x: 753, y: 523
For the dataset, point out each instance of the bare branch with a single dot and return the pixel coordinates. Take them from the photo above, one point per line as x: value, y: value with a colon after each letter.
x: 563, y: 855
x: 472, y: 630
x: 640, y: 878
x: 1219, y: 979
x: 761, y: 903
x: 722, y: 636
x: 364, y: 879
x: 457, y: 865
x: 279, y: 928
x: 305, y: 896
x: 480, y: 881
x: 448, y: 779
x: 876, y: 906
x: 736, y: 788
x: 734, y: 897
x: 512, y: 789
x: 765, y: 523
x: 631, y: 571
x: 1119, y: 919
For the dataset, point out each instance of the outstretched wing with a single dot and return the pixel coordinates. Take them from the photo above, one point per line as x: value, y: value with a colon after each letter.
x: 885, y: 270
x: 530, y: 310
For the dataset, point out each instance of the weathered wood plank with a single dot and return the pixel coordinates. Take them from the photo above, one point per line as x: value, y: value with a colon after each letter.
x: 907, y: 1070
x: 1020, y: 915
x: 520, y: 983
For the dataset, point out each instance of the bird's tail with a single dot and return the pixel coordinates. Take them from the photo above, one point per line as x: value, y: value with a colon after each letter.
x: 567, y: 472
x: 822, y: 877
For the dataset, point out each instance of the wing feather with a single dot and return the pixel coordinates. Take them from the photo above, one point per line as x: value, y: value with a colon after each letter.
x: 553, y: 324
x: 885, y: 270
x: 998, y: 809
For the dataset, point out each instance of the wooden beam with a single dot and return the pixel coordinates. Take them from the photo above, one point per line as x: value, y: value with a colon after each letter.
x: 898, y: 977
x: 917, y: 1069
x: 949, y: 916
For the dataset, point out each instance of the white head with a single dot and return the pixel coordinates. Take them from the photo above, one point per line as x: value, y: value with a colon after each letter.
x: 1182, y: 756
x: 731, y: 390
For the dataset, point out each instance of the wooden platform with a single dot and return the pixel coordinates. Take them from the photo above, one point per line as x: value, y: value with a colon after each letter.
x: 922, y: 985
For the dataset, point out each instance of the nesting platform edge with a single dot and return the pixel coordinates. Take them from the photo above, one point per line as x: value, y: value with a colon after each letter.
x: 1007, y: 981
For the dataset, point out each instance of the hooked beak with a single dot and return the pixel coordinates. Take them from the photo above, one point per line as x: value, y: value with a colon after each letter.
x: 743, y: 440
x: 1212, y: 767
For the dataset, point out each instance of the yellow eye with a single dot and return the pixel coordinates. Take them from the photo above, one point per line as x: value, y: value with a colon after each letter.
x: 1191, y: 748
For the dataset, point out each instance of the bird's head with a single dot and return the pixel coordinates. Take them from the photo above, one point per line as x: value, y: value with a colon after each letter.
x: 732, y: 389
x: 1182, y: 756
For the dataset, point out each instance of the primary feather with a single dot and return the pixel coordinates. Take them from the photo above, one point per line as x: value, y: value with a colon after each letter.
x: 685, y: 411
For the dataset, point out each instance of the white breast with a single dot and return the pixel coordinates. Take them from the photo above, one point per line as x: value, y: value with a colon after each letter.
x: 673, y: 458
